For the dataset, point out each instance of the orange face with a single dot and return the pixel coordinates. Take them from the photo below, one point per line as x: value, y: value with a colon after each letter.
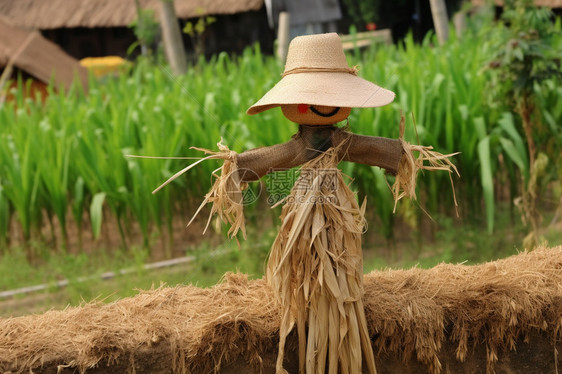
x: 305, y: 114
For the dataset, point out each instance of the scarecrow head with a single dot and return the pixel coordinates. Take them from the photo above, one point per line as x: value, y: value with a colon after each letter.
x: 318, y: 87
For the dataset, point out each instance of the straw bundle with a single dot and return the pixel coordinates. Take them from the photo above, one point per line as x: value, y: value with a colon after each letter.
x: 505, y: 315
x: 405, y: 183
x: 316, y: 269
x: 409, y: 166
x: 494, y: 305
x: 225, y: 195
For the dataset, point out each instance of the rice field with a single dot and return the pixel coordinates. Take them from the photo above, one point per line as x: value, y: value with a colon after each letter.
x: 63, y: 162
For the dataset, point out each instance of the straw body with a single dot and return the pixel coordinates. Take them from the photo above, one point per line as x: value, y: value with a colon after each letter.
x: 316, y: 270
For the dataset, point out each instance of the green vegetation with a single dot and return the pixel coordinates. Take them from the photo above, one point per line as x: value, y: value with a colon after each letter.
x: 63, y: 162
x: 524, y: 61
x: 196, y: 31
x: 146, y: 29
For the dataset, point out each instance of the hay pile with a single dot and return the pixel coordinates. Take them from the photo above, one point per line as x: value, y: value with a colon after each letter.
x: 412, y: 315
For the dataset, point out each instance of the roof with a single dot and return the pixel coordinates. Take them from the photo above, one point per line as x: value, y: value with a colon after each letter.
x: 547, y: 3
x: 32, y: 53
x: 52, y: 14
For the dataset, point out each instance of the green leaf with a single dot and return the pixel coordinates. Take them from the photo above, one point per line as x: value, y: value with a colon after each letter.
x: 487, y: 180
x: 511, y: 151
x: 78, y: 201
x: 4, y: 216
x: 188, y: 29
x: 480, y: 127
x: 200, y: 26
x: 518, y: 53
x: 507, y: 125
x: 96, y: 213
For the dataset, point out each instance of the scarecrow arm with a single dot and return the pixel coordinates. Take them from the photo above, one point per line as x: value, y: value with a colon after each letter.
x: 257, y: 162
x: 370, y: 150
x: 226, y: 194
x: 310, y: 142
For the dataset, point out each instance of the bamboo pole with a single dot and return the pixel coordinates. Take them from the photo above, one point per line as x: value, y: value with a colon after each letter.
x: 283, y: 35
x: 171, y: 35
x: 459, y: 20
x: 440, y: 20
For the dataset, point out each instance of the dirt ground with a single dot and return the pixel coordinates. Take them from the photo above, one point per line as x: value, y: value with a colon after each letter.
x: 536, y: 355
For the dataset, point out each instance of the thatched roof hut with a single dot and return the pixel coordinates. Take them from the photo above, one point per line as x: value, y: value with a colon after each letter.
x: 29, y: 51
x: 94, y: 28
x: 547, y: 3
x: 54, y: 14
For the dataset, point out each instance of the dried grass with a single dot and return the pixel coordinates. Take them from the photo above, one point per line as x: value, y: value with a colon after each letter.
x: 316, y: 269
x: 204, y: 327
x: 410, y: 313
x: 410, y: 165
x: 226, y: 194
x: 495, y: 303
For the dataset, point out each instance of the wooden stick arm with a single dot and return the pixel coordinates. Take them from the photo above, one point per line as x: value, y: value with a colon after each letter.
x: 255, y: 163
x: 385, y: 153
x: 311, y: 141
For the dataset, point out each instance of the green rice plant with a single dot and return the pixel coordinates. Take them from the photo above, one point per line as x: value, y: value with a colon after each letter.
x: 4, y: 219
x: 20, y: 180
x: 53, y: 163
x: 67, y: 157
x: 525, y: 56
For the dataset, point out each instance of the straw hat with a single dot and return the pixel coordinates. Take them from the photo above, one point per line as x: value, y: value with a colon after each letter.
x: 316, y: 73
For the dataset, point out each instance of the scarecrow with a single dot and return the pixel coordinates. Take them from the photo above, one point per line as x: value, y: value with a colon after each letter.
x: 315, y: 265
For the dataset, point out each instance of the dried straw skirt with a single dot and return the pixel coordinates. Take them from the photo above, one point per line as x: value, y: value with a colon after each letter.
x: 316, y: 269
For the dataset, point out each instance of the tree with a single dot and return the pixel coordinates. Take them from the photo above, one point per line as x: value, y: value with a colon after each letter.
x: 524, y: 60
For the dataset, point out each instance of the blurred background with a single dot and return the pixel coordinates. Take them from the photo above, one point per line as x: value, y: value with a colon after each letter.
x: 83, y: 84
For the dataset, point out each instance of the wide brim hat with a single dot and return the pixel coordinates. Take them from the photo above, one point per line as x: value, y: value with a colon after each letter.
x: 317, y: 73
